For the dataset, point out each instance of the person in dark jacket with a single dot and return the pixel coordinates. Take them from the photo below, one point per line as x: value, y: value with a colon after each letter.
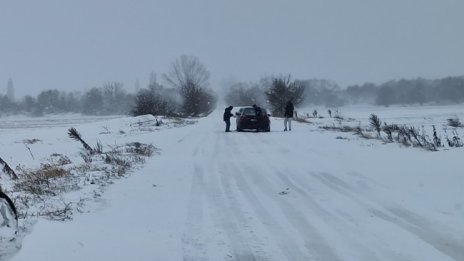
x: 227, y: 115
x: 288, y: 115
x: 259, y: 115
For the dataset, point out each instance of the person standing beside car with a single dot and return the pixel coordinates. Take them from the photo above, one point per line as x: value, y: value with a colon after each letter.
x: 288, y: 115
x: 227, y: 115
x: 259, y: 116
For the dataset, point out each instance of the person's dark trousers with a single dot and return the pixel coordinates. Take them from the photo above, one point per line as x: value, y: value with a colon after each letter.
x: 227, y: 126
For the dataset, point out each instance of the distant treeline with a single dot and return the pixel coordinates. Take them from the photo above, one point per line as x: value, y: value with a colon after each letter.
x: 416, y: 91
x: 186, y: 94
x: 109, y: 99
x: 319, y: 92
x: 272, y: 92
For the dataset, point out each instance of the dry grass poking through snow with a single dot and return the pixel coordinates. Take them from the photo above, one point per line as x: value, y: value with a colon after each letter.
x: 408, y: 135
x: 42, y: 191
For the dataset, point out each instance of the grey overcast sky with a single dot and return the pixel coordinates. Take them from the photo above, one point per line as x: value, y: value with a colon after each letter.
x: 77, y: 44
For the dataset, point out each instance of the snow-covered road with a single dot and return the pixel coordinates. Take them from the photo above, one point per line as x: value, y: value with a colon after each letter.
x: 299, y: 195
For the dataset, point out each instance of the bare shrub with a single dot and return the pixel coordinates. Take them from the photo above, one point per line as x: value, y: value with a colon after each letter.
x: 120, y: 164
x: 138, y: 148
x: 455, y: 141
x: 455, y: 122
x: 407, y: 136
x: 426, y: 142
x: 87, y: 157
x: 340, y: 128
x: 59, y: 159
x: 388, y: 129
x: 315, y: 113
x: 412, y: 132
x: 98, y: 148
x: 436, y: 140
x: 356, y: 130
x: 75, y: 135
x: 30, y: 141
x: 58, y: 213
x: 48, y: 180
x: 123, y: 158
x: 51, y: 171
x: 338, y: 115
x: 402, y: 135
x: 154, y: 101
x: 375, y: 123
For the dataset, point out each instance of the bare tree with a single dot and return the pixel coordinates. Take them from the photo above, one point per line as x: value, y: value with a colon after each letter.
x: 191, y: 78
x: 114, y: 99
x: 282, y: 90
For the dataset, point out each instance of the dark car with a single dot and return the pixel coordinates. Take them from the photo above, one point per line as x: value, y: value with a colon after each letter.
x: 248, y: 118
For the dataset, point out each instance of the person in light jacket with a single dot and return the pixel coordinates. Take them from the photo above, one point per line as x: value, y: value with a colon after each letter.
x: 288, y: 115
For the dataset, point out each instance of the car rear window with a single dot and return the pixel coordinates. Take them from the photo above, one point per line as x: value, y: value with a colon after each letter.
x: 249, y: 112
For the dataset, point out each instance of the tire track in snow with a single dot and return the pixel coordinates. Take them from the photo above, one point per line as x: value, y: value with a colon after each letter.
x: 194, y: 240
x: 193, y: 245
x: 224, y: 218
x: 310, y: 203
x: 210, y: 191
x: 302, y: 188
x: 313, y: 241
x: 237, y: 208
x: 199, y: 149
x: 423, y: 228
x: 284, y: 241
x: 228, y: 212
x: 405, y: 219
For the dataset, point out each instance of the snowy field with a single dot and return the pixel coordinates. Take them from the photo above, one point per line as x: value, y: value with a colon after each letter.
x: 22, y: 122
x: 308, y: 194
